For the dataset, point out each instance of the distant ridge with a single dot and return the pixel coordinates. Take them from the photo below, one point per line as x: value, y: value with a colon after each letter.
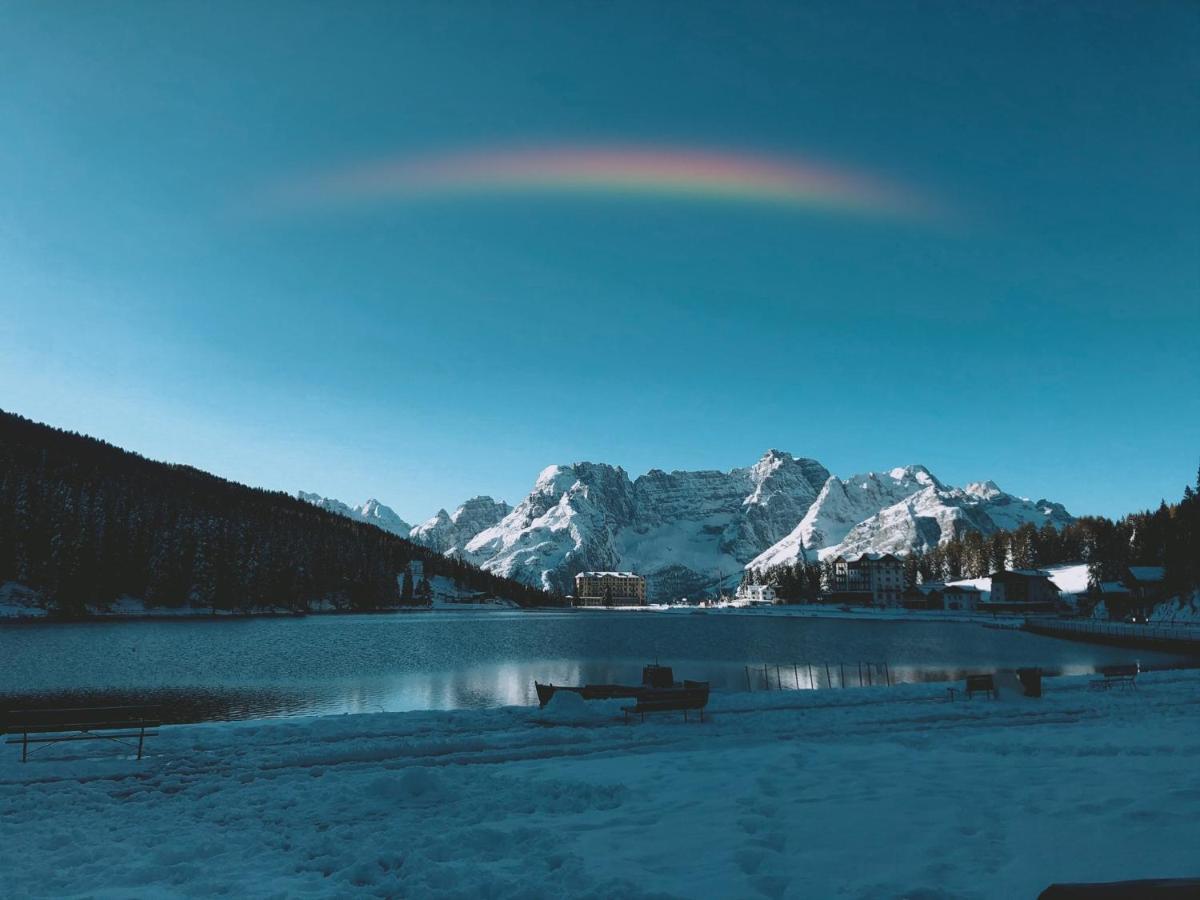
x: 693, y: 533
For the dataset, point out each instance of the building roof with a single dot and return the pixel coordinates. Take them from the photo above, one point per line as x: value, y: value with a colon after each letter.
x: 869, y: 557
x: 928, y: 587
x: 1113, y: 587
x: 603, y: 574
x: 963, y: 589
x: 1021, y: 573
x: 1147, y: 573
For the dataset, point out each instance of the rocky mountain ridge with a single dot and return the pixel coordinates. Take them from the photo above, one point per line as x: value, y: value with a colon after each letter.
x: 690, y: 532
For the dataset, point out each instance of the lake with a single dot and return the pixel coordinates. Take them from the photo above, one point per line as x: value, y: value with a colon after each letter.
x: 255, y: 667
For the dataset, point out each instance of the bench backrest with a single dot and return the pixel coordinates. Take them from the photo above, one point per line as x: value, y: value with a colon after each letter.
x: 1119, y: 671
x: 78, y: 717
x: 980, y: 683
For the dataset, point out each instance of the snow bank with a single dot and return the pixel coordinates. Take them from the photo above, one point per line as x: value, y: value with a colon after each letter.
x: 1183, y: 610
x: 856, y: 793
x: 19, y: 602
x: 569, y: 708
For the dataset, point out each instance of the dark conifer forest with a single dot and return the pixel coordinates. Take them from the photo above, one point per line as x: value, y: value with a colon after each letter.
x: 84, y: 522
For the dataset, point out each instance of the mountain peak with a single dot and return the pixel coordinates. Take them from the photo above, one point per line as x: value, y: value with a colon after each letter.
x: 917, y: 473
x: 985, y: 490
x: 373, y: 512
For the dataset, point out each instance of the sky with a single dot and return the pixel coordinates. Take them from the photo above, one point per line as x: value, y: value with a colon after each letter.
x: 288, y: 242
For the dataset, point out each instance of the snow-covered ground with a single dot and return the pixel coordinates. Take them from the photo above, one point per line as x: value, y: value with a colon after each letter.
x: 855, y: 793
x: 20, y: 602
x: 818, y: 611
x: 1183, y: 610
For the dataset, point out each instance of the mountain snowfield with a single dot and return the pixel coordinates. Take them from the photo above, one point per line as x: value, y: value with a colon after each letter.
x: 448, y: 532
x: 692, y: 532
x: 372, y: 512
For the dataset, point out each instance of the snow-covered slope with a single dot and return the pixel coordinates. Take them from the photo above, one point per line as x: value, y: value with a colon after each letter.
x: 372, y: 512
x: 902, y: 510
x: 565, y: 525
x: 937, y: 513
x: 449, y: 532
x: 840, y: 506
x: 689, y: 532
x: 683, y: 530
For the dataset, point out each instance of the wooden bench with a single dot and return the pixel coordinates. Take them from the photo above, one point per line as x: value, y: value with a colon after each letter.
x: 651, y: 706
x: 980, y: 684
x: 52, y: 726
x: 1116, y: 676
x: 693, y: 696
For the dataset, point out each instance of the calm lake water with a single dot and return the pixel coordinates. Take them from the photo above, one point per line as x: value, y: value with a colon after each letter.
x: 237, y: 669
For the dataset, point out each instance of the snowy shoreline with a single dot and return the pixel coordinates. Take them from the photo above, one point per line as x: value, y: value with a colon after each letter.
x: 862, y: 792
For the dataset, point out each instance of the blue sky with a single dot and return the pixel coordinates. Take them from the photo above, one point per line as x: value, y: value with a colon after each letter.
x: 1044, y: 336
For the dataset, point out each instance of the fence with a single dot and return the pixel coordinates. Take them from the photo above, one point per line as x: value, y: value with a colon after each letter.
x: 808, y: 676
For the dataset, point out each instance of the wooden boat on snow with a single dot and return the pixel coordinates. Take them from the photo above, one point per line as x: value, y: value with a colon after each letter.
x: 658, y: 684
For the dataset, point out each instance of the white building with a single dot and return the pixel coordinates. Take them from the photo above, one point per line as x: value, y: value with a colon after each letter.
x: 756, y: 593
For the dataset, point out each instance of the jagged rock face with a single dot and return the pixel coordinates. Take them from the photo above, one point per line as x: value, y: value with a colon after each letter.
x: 918, y: 522
x: 689, y: 532
x: 839, y: 507
x: 937, y: 513
x: 449, y: 532
x: 372, y: 512
x: 683, y: 530
x: 566, y: 525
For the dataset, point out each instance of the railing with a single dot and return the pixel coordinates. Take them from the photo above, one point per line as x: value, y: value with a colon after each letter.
x: 808, y: 676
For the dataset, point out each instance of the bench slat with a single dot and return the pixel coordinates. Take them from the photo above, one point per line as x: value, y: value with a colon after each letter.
x: 46, y: 728
x: 80, y: 737
x: 66, y: 709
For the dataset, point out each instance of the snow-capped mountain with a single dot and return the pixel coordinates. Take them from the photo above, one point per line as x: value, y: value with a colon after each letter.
x: 372, y: 512
x: 449, y: 532
x: 689, y: 532
x: 912, y: 511
x: 683, y: 530
x: 840, y: 506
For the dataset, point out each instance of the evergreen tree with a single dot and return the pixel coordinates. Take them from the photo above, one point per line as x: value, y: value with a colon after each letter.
x: 424, y: 592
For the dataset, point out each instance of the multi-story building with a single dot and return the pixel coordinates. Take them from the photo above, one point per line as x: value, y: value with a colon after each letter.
x: 875, y: 578
x: 610, y: 589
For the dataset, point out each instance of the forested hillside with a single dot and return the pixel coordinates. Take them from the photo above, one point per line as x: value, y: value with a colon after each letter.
x: 85, y: 522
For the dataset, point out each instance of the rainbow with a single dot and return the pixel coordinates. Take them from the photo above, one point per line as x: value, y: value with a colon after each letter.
x: 684, y: 174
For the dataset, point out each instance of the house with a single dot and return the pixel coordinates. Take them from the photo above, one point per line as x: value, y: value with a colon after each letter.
x: 870, y: 578
x: 610, y: 589
x: 962, y: 596
x: 926, y: 595
x: 938, y: 595
x: 756, y: 593
x: 1118, y: 600
x: 1023, y: 590
x: 1145, y: 584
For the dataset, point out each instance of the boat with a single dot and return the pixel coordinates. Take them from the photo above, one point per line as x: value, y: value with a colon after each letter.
x: 658, y: 684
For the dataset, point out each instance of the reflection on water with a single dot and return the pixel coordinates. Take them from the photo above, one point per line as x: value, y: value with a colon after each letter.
x: 203, y: 671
